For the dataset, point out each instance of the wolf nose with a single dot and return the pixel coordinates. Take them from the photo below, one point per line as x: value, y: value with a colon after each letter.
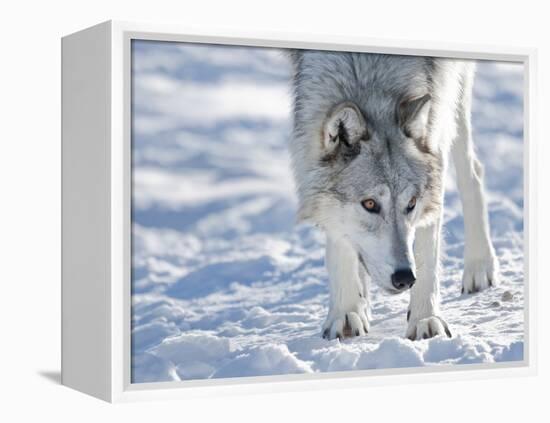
x: 403, y: 279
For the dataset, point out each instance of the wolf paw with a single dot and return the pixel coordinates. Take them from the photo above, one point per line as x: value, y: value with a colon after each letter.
x: 479, y: 274
x: 346, y: 324
x: 427, y: 328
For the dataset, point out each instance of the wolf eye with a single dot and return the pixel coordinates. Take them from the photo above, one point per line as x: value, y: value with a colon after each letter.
x: 370, y: 205
x: 411, y: 205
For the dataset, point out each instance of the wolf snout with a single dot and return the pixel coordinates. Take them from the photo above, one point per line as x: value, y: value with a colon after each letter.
x: 403, y: 279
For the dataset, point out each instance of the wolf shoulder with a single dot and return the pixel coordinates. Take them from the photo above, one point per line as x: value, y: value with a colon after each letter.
x: 347, y: 74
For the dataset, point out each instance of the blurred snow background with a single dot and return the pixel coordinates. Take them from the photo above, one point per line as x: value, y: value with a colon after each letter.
x: 225, y: 284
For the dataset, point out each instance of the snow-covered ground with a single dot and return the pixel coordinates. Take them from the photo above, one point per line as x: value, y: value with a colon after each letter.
x: 225, y: 284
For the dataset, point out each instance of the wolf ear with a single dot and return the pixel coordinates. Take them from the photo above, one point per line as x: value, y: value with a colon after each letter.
x: 413, y: 116
x: 344, y: 124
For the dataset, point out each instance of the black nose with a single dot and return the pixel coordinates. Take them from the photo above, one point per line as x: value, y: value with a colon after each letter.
x: 403, y: 279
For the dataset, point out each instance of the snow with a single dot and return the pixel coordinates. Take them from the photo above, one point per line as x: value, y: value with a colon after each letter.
x: 225, y: 284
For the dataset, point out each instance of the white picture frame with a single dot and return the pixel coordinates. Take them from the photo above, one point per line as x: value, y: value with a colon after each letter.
x: 96, y: 191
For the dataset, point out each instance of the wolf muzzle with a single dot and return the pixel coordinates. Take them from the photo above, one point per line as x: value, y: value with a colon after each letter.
x: 403, y: 279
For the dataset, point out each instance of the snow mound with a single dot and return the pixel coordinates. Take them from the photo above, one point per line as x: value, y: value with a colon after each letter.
x: 390, y: 353
x: 262, y: 361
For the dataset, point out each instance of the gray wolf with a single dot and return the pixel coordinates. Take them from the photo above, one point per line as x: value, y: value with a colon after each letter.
x: 372, y: 138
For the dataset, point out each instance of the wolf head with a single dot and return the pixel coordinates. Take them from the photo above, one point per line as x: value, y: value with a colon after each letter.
x: 363, y: 163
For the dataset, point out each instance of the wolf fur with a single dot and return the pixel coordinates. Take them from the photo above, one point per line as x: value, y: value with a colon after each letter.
x: 382, y: 128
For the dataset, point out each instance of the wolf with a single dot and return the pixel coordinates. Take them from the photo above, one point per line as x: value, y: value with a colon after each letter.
x: 371, y: 142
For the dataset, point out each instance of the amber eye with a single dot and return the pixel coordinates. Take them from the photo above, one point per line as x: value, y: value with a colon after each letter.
x: 411, y: 205
x: 370, y: 205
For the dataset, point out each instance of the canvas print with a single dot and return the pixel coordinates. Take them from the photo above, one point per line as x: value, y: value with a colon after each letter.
x: 302, y: 211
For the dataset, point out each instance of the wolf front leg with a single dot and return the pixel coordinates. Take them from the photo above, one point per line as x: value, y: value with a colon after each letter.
x: 424, y: 319
x: 348, y: 303
x: 480, y: 263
